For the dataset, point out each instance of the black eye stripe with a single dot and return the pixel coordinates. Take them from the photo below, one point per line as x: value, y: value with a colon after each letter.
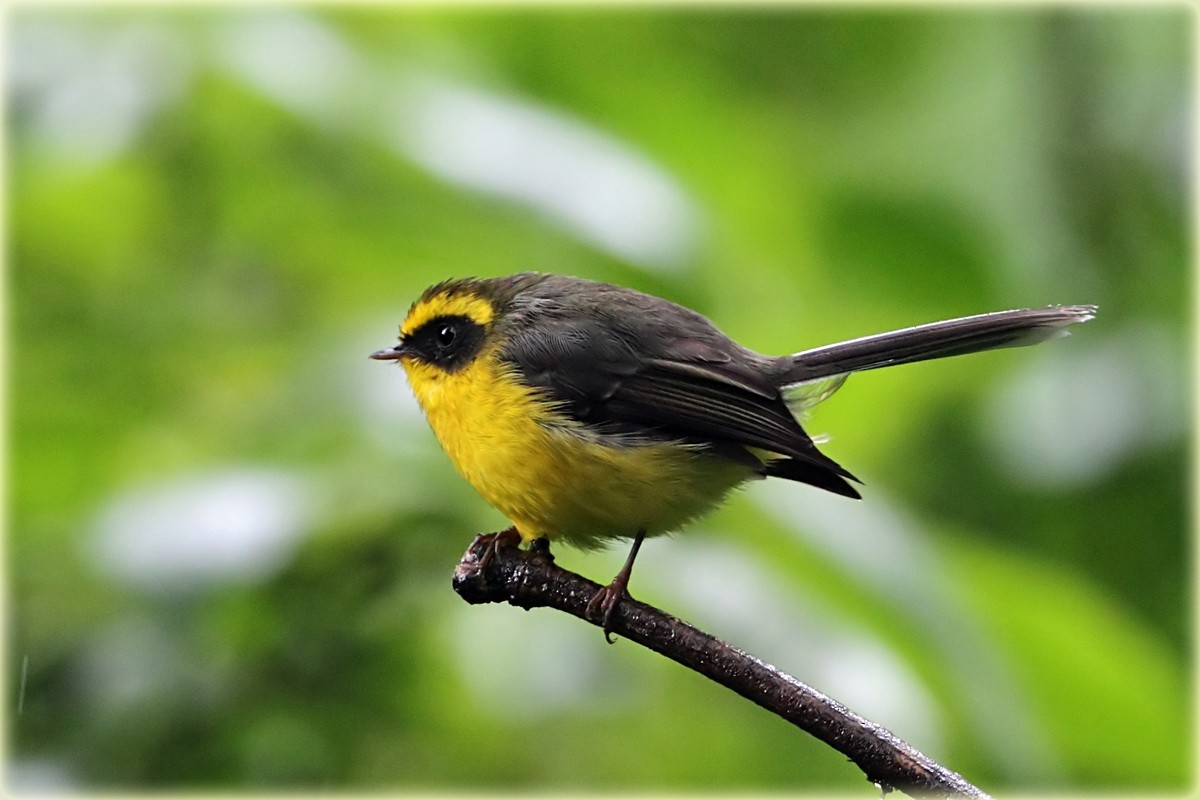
x: 449, y: 342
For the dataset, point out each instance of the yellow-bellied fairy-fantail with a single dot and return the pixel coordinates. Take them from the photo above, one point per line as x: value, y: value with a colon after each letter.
x: 587, y: 412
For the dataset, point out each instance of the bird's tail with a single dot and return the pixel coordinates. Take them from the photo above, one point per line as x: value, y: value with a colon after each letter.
x: 954, y: 337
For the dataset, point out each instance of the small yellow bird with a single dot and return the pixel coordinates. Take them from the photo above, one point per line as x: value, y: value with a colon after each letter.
x: 587, y: 412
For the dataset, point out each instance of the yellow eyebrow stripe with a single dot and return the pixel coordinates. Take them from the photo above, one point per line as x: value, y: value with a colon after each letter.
x: 471, y: 306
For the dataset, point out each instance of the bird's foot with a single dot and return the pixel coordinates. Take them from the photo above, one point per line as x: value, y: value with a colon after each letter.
x: 609, y: 597
x: 509, y: 537
x: 606, y: 600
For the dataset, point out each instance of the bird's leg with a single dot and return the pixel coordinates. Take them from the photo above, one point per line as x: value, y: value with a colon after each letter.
x: 509, y: 537
x: 608, y: 597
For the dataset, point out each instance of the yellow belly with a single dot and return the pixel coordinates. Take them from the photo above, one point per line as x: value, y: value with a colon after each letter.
x: 552, y: 477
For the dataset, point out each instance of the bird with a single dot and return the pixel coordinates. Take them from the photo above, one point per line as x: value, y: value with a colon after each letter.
x: 587, y: 412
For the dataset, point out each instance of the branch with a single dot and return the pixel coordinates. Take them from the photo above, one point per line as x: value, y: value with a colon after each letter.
x: 531, y: 580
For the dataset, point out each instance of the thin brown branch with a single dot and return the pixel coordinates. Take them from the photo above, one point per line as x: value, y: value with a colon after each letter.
x: 531, y: 580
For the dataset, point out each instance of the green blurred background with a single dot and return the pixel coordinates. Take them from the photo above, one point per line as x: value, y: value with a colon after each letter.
x: 231, y: 535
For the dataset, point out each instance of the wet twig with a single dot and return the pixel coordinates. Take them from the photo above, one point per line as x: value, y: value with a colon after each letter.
x: 530, y: 579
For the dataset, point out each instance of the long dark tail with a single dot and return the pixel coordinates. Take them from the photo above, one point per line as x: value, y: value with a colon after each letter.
x: 954, y: 337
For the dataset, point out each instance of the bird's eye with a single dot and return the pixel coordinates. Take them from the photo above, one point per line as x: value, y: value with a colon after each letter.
x: 448, y: 341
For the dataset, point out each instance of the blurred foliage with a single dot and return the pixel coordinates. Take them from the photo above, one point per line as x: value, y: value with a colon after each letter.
x: 214, y: 216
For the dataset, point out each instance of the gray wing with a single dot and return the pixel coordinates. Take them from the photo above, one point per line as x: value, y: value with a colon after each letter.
x: 661, y: 372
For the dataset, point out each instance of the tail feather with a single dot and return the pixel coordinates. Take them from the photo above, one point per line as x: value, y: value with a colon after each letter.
x: 814, y: 474
x: 953, y: 337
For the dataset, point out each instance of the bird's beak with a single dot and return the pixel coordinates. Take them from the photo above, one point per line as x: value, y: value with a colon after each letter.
x: 390, y: 354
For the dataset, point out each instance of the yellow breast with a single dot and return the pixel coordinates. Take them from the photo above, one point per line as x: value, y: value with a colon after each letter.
x: 552, y: 476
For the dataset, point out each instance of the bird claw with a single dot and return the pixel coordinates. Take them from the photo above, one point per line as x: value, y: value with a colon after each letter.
x: 509, y: 537
x: 609, y: 597
x: 604, y: 603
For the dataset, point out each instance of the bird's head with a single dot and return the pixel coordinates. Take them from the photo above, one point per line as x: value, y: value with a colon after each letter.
x: 447, y: 327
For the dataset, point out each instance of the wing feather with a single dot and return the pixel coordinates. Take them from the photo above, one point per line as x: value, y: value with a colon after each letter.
x: 606, y: 381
